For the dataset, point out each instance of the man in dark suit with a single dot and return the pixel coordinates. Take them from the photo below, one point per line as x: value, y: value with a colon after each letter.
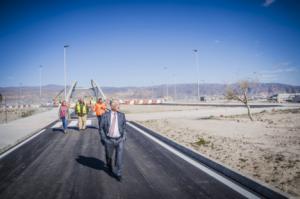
x: 113, y: 134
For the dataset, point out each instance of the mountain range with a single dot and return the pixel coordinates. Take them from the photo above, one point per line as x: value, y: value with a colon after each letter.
x: 30, y: 94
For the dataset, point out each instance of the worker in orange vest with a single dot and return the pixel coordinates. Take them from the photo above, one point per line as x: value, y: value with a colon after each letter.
x: 99, y: 109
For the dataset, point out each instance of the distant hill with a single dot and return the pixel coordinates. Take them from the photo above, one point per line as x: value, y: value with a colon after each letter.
x: 30, y: 94
x: 183, y: 91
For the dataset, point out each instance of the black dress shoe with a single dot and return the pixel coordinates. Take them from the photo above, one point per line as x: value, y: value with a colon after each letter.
x: 109, y: 168
x: 119, y: 178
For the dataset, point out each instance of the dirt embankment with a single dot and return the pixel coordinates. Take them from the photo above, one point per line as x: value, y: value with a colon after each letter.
x: 267, y: 149
x: 17, y: 113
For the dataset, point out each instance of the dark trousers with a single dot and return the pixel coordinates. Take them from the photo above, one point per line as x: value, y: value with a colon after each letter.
x: 99, y: 120
x: 114, y: 146
x: 64, y: 122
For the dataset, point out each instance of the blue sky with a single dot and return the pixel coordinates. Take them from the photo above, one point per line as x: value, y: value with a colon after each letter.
x: 140, y: 43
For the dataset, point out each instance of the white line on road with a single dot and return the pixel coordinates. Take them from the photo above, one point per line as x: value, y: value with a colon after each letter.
x: 20, y: 144
x: 213, y: 174
x: 73, y: 123
x: 56, y: 125
x: 89, y: 122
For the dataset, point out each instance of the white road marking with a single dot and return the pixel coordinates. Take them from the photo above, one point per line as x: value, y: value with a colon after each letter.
x: 56, y: 125
x: 213, y: 174
x: 89, y: 122
x: 73, y: 123
x: 20, y: 144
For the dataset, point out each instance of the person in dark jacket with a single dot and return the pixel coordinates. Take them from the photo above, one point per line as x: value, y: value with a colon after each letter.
x: 113, y: 134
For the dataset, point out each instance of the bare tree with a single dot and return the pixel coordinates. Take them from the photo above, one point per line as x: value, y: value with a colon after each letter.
x: 240, y: 94
x: 2, y: 98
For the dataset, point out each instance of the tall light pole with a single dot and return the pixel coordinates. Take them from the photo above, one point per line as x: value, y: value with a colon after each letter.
x: 175, y: 87
x: 166, y: 68
x: 20, y: 92
x: 152, y: 90
x: 65, y: 69
x: 198, y: 72
x: 40, y: 67
x: 167, y: 91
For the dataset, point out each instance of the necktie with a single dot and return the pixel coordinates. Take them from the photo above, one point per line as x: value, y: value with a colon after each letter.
x: 112, y: 126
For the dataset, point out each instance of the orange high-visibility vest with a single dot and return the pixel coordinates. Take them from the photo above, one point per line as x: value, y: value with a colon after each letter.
x: 99, y: 109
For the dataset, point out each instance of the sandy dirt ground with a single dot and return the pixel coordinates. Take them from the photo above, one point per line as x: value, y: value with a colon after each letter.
x: 14, y: 114
x: 267, y: 149
x: 152, y: 112
x: 154, y: 108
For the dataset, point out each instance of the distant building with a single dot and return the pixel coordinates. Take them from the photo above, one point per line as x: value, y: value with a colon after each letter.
x: 297, y: 99
x: 202, y: 99
x: 285, y: 97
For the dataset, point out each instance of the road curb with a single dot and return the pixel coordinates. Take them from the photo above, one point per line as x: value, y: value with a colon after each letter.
x: 253, y: 185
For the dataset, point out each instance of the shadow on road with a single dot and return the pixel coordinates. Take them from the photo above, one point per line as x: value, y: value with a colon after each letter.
x: 93, y: 163
x: 76, y: 128
x: 73, y: 127
x: 92, y: 127
x: 58, y: 129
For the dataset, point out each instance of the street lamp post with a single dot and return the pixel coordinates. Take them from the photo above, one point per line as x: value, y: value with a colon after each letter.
x: 20, y: 93
x: 65, y: 69
x: 41, y: 83
x: 167, y: 91
x: 152, y: 89
x: 5, y: 108
x: 165, y: 68
x: 198, y: 72
x: 175, y: 87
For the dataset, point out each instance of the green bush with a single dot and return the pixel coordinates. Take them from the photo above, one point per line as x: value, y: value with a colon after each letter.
x: 202, y: 142
x: 27, y: 113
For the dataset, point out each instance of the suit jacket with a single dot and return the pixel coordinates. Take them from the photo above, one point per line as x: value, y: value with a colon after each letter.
x: 105, y: 125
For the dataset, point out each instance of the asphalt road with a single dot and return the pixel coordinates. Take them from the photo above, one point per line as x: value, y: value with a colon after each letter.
x: 55, y: 165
